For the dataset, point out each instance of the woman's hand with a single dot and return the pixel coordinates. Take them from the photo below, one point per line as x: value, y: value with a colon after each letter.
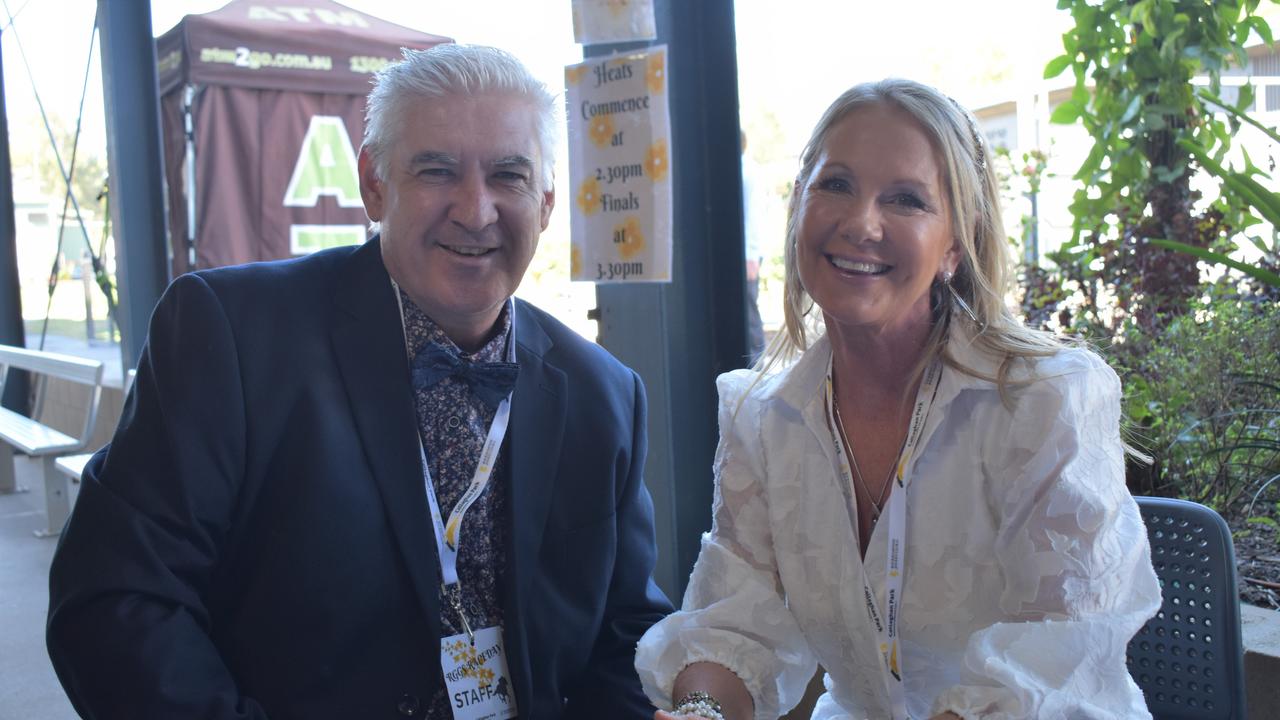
x: 717, y: 681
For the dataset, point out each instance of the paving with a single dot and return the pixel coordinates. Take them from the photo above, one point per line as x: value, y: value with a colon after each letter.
x: 29, y: 690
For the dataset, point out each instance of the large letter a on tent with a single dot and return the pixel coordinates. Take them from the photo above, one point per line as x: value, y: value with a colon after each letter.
x: 326, y: 166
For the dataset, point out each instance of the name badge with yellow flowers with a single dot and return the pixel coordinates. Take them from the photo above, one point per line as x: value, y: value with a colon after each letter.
x: 476, y: 676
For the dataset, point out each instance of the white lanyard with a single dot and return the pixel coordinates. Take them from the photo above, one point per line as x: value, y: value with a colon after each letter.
x: 449, y: 535
x: 448, y: 539
x: 886, y: 624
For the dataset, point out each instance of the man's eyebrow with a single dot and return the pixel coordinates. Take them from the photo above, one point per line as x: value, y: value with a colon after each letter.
x: 431, y: 157
x: 521, y: 161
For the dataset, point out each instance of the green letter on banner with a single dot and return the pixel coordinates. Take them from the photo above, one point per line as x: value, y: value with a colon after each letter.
x: 326, y: 166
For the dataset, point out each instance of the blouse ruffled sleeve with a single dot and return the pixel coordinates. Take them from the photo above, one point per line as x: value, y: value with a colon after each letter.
x: 734, y: 611
x: 1074, y: 554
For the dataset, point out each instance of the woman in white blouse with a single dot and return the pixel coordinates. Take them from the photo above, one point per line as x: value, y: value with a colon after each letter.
x: 930, y: 501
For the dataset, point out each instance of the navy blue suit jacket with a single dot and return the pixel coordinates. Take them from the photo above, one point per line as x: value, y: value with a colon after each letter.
x: 255, y: 541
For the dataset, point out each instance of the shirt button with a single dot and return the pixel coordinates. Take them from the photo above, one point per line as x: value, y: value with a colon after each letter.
x: 453, y: 423
x: 409, y: 705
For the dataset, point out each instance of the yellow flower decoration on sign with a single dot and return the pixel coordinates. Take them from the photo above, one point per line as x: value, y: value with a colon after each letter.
x: 632, y: 239
x: 589, y: 196
x: 656, y: 163
x: 573, y: 74
x: 601, y: 130
x: 656, y: 73
x: 575, y: 262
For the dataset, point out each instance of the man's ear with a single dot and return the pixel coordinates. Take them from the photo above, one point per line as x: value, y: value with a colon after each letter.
x: 548, y: 203
x: 370, y: 186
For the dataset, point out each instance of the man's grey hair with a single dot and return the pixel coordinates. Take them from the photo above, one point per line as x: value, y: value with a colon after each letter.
x: 453, y: 70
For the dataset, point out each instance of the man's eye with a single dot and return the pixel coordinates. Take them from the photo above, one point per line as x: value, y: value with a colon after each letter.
x: 435, y: 172
x: 510, y: 176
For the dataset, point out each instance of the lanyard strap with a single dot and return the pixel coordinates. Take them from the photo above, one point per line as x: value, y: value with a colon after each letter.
x: 448, y: 534
x: 886, y: 623
x: 448, y: 538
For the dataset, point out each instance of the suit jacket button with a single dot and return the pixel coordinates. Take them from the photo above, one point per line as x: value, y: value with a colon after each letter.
x: 409, y: 705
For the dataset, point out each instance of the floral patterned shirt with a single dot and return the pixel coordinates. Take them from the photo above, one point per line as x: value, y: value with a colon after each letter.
x: 453, y: 425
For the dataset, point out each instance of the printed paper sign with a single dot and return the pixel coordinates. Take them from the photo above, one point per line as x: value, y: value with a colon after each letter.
x: 611, y: 21
x: 620, y: 168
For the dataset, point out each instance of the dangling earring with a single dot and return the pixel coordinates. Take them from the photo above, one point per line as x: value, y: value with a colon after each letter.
x: 946, y: 282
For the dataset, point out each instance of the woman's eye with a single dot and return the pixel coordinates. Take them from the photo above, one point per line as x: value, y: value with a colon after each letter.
x: 834, y: 184
x: 908, y: 200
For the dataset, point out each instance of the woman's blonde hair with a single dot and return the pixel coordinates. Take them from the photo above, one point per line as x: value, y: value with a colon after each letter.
x: 985, y: 271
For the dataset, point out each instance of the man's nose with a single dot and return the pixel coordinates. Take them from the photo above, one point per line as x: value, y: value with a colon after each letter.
x: 473, y: 204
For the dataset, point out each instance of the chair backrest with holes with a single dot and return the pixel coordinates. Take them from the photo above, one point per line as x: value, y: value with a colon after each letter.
x: 1188, y: 659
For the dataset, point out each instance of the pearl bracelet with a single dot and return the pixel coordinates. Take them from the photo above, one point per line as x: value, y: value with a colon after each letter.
x: 700, y: 704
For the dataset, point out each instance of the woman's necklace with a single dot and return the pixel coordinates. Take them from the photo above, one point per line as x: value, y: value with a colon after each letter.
x: 877, y: 505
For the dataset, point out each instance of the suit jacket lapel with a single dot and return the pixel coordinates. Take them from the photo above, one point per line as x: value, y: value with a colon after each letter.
x: 368, y: 341
x: 537, y: 429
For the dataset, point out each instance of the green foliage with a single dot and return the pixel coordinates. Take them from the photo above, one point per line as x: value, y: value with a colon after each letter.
x: 1204, y: 400
x: 1022, y: 177
x: 1240, y: 188
x: 1133, y: 62
x: 1141, y: 57
x: 38, y: 158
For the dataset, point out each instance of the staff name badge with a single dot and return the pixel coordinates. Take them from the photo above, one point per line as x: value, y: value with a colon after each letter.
x: 476, y: 676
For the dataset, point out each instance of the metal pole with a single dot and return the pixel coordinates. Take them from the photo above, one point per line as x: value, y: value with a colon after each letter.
x: 11, y: 329
x: 136, y: 165
x: 86, y: 282
x: 679, y: 336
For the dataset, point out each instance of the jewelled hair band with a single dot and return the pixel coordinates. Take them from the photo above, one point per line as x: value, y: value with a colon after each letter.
x: 979, y: 151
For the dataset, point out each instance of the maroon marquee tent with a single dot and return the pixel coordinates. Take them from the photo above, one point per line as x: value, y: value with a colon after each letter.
x: 262, y: 106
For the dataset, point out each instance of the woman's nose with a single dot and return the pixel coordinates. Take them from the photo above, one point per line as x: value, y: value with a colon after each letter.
x: 861, y: 222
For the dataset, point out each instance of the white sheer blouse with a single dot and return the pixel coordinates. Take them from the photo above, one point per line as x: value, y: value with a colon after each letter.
x: 1027, y: 567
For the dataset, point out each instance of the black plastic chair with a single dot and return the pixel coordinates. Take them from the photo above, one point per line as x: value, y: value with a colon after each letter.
x: 1188, y: 659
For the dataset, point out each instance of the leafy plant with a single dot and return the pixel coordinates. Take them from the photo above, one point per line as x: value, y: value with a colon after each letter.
x: 1240, y: 187
x: 1204, y: 397
x: 1140, y: 57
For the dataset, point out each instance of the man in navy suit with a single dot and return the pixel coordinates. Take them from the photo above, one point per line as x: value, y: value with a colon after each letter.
x: 369, y: 483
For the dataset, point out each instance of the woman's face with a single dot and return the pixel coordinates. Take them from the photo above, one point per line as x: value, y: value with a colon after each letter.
x: 874, y: 226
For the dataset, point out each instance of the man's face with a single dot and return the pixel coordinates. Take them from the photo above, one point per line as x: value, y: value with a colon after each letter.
x: 461, y: 207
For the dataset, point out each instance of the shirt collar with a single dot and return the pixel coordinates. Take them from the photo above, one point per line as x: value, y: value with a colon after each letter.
x: 802, y: 385
x: 420, y: 329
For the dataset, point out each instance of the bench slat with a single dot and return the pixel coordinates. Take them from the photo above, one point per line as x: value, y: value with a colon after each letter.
x: 31, y: 437
x: 73, y: 465
x: 66, y: 367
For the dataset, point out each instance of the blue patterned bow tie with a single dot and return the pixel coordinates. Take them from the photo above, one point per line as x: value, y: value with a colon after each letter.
x: 490, y: 382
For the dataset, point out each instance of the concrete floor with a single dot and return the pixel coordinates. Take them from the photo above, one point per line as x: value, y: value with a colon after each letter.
x: 29, y: 690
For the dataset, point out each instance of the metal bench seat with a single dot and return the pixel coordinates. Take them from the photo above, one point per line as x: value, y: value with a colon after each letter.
x: 30, y: 436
